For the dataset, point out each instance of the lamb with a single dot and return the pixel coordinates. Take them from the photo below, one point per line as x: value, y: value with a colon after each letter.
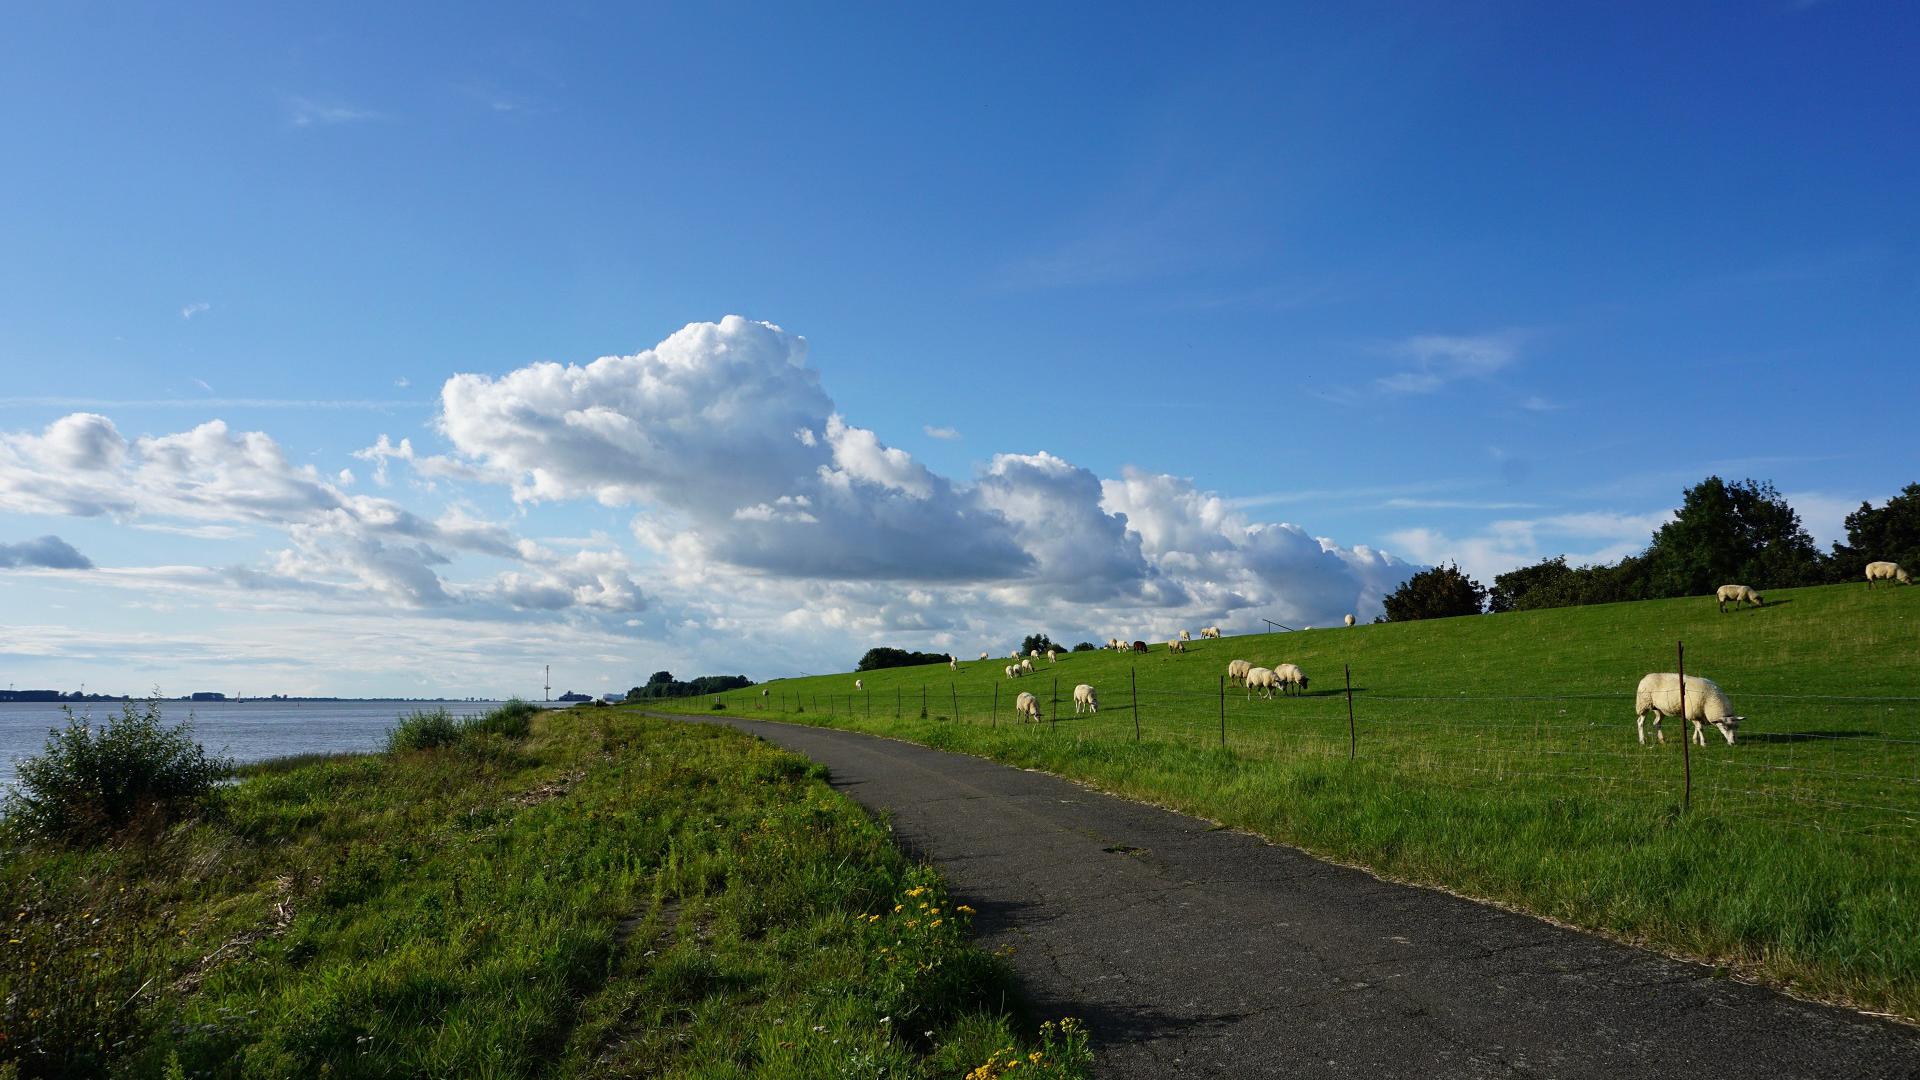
x: 1737, y: 595
x: 1083, y: 695
x: 1184, y: 636
x: 1177, y: 645
x: 1291, y: 678
x: 1659, y: 694
x: 1013, y: 671
x: 1209, y: 631
x: 1026, y: 667
x: 1349, y: 619
x: 1263, y: 680
x: 1886, y: 571
x: 1027, y: 706
x: 1237, y: 671
x: 1139, y: 646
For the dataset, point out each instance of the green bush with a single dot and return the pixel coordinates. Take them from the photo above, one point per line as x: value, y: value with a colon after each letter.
x: 92, y: 781
x: 513, y: 719
x: 424, y: 729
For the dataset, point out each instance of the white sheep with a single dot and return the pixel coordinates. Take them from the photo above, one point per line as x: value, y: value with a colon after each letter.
x: 1013, y: 671
x: 1083, y: 695
x: 1737, y: 595
x: 1184, y: 636
x: 1026, y: 667
x: 1176, y: 645
x: 1349, y: 620
x: 1051, y: 654
x: 1209, y: 631
x: 1027, y: 706
x: 983, y: 655
x: 1659, y: 694
x: 1291, y: 678
x: 859, y: 684
x: 764, y: 693
x: 1263, y: 680
x: 1886, y: 571
x: 952, y: 664
x: 1237, y: 671
x: 1034, y: 655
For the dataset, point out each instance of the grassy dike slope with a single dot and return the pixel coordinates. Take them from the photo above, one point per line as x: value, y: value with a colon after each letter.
x: 612, y: 896
x: 1497, y: 758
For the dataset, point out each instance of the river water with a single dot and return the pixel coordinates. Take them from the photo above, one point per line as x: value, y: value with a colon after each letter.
x: 242, y: 730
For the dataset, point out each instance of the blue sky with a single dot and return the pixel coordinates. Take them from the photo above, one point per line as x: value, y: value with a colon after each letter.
x: 1487, y: 283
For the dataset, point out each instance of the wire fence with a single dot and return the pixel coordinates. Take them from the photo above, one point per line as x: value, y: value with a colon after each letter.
x: 1836, y: 764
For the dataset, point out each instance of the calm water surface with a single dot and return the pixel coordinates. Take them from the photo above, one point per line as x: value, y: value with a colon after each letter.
x: 244, y: 731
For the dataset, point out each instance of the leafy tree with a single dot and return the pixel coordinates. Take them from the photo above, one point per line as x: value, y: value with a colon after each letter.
x: 883, y: 657
x: 658, y: 687
x: 1723, y: 533
x: 660, y: 677
x: 1511, y: 588
x: 1038, y: 641
x: 1437, y: 593
x: 1086, y: 646
x: 1891, y: 532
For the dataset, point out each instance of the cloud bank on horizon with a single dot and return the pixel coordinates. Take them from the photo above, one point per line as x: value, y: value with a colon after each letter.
x: 761, y: 517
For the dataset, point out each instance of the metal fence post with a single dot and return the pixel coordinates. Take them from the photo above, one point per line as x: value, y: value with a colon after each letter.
x: 923, y: 701
x: 993, y: 717
x: 1134, y: 689
x: 956, y: 702
x: 1686, y: 740
x: 1353, y: 734
x: 896, y: 703
x: 1053, y: 704
x: 869, y: 704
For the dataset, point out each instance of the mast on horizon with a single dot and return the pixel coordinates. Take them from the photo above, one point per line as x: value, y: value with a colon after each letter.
x: 547, y: 688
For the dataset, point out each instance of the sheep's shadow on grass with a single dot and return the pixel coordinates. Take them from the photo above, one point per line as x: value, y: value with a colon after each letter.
x: 1768, y: 606
x: 1775, y: 737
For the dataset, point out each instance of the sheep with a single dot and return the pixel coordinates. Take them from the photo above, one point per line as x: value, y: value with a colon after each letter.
x: 1209, y: 631
x: 1291, y: 678
x: 1113, y: 643
x: 1659, y: 694
x: 983, y: 654
x: 1184, y: 636
x: 1177, y: 645
x: 952, y: 664
x: 1034, y: 655
x: 1013, y: 671
x: 1014, y: 655
x: 1349, y: 618
x: 1051, y: 654
x: 1027, y: 706
x: 764, y: 693
x: 1237, y: 671
x: 1139, y: 646
x: 859, y: 684
x: 1083, y: 695
x: 1886, y: 571
x: 1737, y: 595
x: 1026, y: 667
x: 1263, y: 680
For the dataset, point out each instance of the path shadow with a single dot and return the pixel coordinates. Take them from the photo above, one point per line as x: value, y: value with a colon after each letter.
x: 1804, y: 736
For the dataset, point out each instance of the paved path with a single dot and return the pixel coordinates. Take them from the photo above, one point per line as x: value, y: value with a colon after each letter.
x: 1195, y: 951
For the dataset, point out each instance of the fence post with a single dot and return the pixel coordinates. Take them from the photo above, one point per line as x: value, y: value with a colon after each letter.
x: 869, y: 704
x: 1353, y: 734
x: 1134, y: 689
x: 923, y: 701
x: 1686, y: 740
x: 956, y: 702
x: 896, y: 703
x: 993, y: 718
x: 1223, y: 712
x: 1053, y: 704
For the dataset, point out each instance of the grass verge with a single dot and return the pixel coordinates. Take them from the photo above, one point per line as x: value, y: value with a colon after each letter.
x: 610, y: 896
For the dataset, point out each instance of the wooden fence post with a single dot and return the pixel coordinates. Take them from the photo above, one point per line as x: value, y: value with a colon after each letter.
x: 1686, y: 740
x: 1134, y: 689
x: 1223, y: 712
x: 1053, y: 705
x: 923, y: 701
x: 956, y: 702
x: 1353, y: 734
x: 993, y: 717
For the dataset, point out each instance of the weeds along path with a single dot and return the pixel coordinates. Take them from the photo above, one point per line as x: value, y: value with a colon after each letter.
x: 1196, y: 951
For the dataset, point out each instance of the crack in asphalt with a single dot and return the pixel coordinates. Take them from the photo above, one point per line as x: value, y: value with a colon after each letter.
x: 1200, y: 951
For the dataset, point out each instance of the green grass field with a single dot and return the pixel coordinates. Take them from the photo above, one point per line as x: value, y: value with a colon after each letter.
x: 1496, y: 756
x: 612, y: 896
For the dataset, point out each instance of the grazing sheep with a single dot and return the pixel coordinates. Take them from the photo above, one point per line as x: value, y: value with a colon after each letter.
x: 1184, y: 636
x: 1659, y: 694
x: 859, y: 684
x: 983, y: 656
x: 1013, y: 671
x: 1034, y: 655
x: 1292, y: 679
x: 1209, y: 631
x: 952, y: 664
x: 1051, y: 654
x: 1083, y: 695
x: 1237, y: 671
x: 1886, y: 571
x: 1176, y: 645
x: 1737, y: 595
x: 1139, y: 646
x: 1113, y: 643
x: 1027, y: 706
x: 1263, y: 680
x: 1026, y: 667
x: 764, y: 693
x: 1349, y: 620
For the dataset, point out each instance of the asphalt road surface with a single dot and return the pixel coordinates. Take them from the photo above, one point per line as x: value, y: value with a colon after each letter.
x: 1190, y: 950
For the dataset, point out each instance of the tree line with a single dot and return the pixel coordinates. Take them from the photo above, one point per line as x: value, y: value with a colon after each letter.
x: 662, y: 684
x: 1724, y: 533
